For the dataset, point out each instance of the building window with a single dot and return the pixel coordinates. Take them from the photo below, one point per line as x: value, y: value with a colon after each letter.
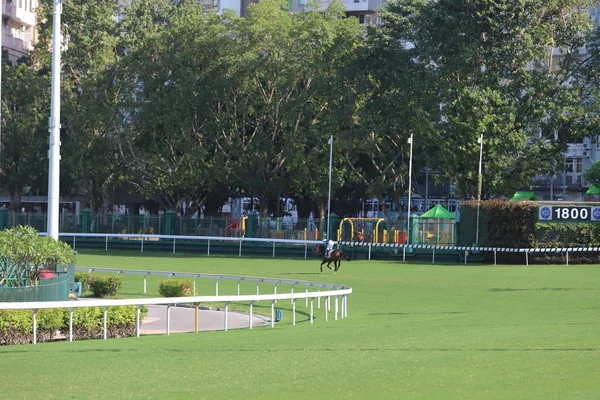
x: 361, y: 18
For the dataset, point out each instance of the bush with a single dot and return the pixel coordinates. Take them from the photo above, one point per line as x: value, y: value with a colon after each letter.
x: 88, y: 322
x: 16, y: 326
x: 105, y: 285
x: 176, y: 288
x: 85, y: 279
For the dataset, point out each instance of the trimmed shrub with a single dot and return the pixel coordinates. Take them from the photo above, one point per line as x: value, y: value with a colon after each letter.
x: 85, y: 279
x: 16, y: 326
x: 557, y: 234
x: 88, y: 322
x: 501, y: 223
x: 105, y: 285
x: 176, y: 288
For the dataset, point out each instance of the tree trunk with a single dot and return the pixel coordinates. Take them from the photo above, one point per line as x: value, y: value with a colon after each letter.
x: 15, y: 199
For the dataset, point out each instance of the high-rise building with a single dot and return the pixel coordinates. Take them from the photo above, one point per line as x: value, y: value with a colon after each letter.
x: 18, y: 27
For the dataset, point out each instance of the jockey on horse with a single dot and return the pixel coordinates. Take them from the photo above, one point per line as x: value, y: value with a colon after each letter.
x: 328, y: 246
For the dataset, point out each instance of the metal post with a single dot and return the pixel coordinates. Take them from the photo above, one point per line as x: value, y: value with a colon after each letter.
x: 145, y: 275
x: 336, y: 308
x: 137, y: 321
x: 34, y: 310
x: 330, y: 142
x: 410, y: 141
x: 54, y: 126
x: 494, y: 257
x: 196, y: 318
x: 273, y: 314
x: 312, y: 312
x: 326, y: 307
x: 273, y: 249
x: 250, y: 316
x: 226, y: 316
x: 105, y: 321
x: 240, y: 248
x: 106, y: 244
x: 168, y: 319
x: 71, y: 324
x: 294, y: 312
x: 479, y: 184
x: 567, y: 258
x: 173, y: 245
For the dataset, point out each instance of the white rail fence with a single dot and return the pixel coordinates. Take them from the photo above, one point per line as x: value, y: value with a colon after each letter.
x: 338, y: 292
x: 466, y: 251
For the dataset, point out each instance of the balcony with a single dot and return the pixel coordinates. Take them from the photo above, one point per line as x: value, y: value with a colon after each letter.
x: 18, y: 15
x: 354, y: 6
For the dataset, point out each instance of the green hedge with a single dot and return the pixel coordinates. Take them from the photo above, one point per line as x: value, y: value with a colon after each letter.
x: 16, y: 326
x: 176, y: 288
x: 501, y: 223
x: 105, y: 285
x: 556, y: 234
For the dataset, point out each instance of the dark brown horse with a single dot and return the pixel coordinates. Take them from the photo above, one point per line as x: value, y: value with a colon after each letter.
x: 335, y: 257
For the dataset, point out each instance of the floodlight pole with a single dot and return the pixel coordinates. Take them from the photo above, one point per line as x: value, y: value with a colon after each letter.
x: 479, y: 184
x: 330, y: 142
x: 410, y: 141
x: 54, y: 125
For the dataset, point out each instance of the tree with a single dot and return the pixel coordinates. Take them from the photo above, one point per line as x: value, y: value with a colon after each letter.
x: 495, y: 74
x: 88, y: 95
x: 165, y: 140
x: 25, y: 110
x: 592, y: 174
x: 25, y: 254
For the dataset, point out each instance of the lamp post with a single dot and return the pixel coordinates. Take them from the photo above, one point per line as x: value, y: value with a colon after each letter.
x: 330, y: 142
x: 54, y: 125
x: 479, y: 182
x: 410, y: 141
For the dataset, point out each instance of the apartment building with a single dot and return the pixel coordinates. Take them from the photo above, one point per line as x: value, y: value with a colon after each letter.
x: 18, y: 27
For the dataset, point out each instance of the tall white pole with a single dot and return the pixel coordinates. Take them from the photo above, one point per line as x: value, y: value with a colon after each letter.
x: 54, y: 124
x: 479, y: 183
x: 410, y: 141
x: 329, y: 196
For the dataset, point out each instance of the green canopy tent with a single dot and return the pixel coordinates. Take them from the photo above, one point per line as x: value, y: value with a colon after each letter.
x: 593, y: 191
x: 436, y: 213
x: 523, y: 196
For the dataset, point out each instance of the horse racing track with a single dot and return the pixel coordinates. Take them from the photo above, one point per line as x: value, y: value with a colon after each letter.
x: 413, y: 331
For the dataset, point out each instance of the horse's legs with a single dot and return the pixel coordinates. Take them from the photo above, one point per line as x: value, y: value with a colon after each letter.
x: 330, y: 263
x: 322, y: 265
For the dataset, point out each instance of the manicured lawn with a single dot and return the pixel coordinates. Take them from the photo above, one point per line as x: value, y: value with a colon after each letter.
x: 413, y: 331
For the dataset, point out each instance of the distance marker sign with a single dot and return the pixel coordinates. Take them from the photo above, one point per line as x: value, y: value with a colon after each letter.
x: 568, y: 213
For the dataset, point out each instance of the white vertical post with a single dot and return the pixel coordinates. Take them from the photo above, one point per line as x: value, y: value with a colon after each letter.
x: 494, y: 257
x: 145, y: 275
x: 273, y: 249
x: 330, y: 142
x: 71, y: 324
x: 250, y: 316
x: 142, y: 245
x: 273, y: 314
x: 293, y: 311
x: 106, y: 244
x: 336, y: 308
x: 34, y: 310
x: 173, y: 245
x: 369, y: 251
x: 526, y: 257
x: 433, y: 256
x: 226, y: 314
x: 567, y: 257
x: 168, y: 319
x: 410, y: 141
x: 325, y: 307
x: 208, y: 249
x: 105, y: 322
x: 54, y: 125
x: 479, y: 184
x: 312, y: 310
x: 240, y: 254
x: 137, y: 321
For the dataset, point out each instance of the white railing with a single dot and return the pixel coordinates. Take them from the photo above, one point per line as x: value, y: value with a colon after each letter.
x: 333, y: 290
x: 142, y: 238
x: 465, y: 251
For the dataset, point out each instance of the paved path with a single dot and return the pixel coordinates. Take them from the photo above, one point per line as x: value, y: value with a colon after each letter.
x: 183, y: 320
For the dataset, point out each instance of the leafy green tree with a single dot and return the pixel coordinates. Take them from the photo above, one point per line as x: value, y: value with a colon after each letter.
x: 166, y: 141
x: 25, y: 110
x: 496, y: 74
x: 88, y: 93
x: 592, y: 174
x: 28, y: 253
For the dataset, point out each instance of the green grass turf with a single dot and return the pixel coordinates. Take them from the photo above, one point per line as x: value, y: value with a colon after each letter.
x: 413, y: 331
